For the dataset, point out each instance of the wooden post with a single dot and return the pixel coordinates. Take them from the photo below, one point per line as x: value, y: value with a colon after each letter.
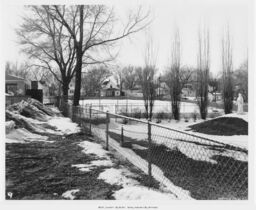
x: 149, y: 154
x: 122, y: 137
x: 90, y: 120
x: 107, y: 128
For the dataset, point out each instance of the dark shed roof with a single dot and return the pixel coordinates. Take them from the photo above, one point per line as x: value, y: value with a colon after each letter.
x: 13, y: 78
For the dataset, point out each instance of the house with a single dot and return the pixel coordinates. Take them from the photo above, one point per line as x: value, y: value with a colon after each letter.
x: 162, y: 89
x: 217, y: 96
x: 71, y: 89
x: 112, y: 92
x: 45, y: 87
x: 15, y: 85
x: 135, y: 91
x: 188, y: 91
x: 110, y: 88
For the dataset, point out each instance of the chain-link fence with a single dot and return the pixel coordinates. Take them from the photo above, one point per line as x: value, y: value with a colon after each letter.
x: 188, y: 165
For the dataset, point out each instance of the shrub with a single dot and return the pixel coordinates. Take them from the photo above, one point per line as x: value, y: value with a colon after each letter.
x: 124, y: 120
x: 137, y: 114
x: 144, y: 115
x: 162, y: 115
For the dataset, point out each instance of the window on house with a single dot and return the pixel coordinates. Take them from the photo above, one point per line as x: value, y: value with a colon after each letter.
x: 11, y: 88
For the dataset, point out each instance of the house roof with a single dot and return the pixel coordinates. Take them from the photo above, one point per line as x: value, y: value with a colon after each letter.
x: 110, y: 80
x: 13, y: 78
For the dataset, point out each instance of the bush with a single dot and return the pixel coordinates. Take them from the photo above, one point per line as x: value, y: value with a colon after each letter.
x: 137, y: 114
x: 162, y: 116
x: 124, y: 120
x: 144, y: 115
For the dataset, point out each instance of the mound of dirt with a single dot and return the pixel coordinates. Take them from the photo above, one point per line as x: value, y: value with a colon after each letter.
x: 223, y: 126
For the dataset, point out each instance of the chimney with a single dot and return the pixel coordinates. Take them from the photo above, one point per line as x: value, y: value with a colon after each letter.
x: 34, y: 85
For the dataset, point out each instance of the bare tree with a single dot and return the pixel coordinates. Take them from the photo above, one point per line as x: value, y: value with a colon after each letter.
x: 48, y: 44
x: 130, y: 77
x: 20, y: 70
x: 93, y: 78
x: 147, y: 78
x: 203, y: 58
x: 174, y: 76
x: 227, y: 71
x: 119, y: 77
x: 92, y: 29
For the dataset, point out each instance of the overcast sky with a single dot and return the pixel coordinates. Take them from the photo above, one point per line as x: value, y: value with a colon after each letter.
x: 187, y: 15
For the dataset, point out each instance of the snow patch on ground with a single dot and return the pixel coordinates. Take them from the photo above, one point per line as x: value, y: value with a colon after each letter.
x: 22, y: 135
x: 94, y: 148
x: 93, y: 164
x: 142, y: 193
x: 65, y: 125
x: 157, y: 173
x: 70, y: 194
x: 118, y: 177
x: 13, y: 141
x: 9, y: 126
x: 131, y: 189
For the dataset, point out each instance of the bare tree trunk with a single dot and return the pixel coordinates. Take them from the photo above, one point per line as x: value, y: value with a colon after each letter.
x: 65, y: 87
x: 146, y: 76
x: 174, y: 80
x: 77, y: 92
x: 227, y: 65
x: 79, y: 56
x: 203, y: 72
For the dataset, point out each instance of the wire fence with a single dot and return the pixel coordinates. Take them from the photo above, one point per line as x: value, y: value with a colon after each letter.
x: 162, y: 110
x: 185, y: 164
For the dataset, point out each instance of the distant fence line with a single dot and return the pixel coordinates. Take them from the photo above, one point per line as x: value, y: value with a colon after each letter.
x: 128, y: 107
x: 179, y: 160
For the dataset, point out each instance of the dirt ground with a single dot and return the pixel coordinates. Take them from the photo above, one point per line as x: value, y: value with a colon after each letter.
x: 40, y: 170
x: 225, y: 126
x: 225, y: 180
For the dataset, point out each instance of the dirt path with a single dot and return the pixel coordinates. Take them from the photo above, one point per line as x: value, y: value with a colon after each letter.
x: 40, y: 170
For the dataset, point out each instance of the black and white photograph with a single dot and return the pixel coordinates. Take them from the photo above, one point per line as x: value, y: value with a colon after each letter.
x: 127, y: 100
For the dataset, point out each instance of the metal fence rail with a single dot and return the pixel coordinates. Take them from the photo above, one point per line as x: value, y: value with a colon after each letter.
x: 188, y: 165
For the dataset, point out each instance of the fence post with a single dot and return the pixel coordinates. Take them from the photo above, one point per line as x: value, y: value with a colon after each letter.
x: 90, y: 113
x: 115, y: 113
x: 122, y: 136
x: 107, y: 128
x: 149, y: 154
